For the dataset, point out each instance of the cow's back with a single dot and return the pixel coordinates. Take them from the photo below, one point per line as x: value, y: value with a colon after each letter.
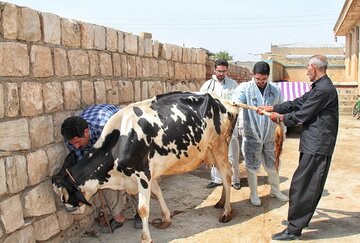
x: 172, y: 131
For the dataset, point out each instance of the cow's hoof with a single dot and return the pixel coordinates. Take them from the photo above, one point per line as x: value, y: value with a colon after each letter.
x: 158, y: 223
x: 146, y: 239
x: 224, y: 218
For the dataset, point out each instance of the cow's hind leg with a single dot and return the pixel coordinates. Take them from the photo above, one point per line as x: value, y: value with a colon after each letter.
x: 144, y: 186
x: 166, y: 221
x: 223, y: 164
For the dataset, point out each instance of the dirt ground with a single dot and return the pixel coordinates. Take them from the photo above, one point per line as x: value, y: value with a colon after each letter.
x: 337, y: 217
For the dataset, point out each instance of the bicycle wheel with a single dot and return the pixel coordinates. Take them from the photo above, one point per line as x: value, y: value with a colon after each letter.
x: 356, y: 109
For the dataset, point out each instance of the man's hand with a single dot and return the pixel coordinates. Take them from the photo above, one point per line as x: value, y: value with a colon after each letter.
x: 276, y: 117
x: 260, y: 110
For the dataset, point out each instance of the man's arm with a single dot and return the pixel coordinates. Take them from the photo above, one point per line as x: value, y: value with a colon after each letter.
x: 313, y: 104
x: 238, y: 94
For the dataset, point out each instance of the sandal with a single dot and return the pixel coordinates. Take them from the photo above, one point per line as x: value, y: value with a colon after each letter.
x: 101, y: 219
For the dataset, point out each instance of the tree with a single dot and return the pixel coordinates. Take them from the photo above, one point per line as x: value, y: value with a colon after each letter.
x: 223, y: 55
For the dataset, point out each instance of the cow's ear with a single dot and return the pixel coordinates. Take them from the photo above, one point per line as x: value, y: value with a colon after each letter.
x: 81, y: 198
x: 111, y: 139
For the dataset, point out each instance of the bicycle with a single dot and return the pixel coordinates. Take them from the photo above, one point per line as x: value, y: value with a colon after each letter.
x: 356, y: 109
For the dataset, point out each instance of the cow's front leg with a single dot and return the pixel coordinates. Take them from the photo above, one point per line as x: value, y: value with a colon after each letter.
x: 166, y: 221
x: 144, y: 187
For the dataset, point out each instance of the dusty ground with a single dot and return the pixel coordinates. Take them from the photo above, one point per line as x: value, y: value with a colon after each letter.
x: 336, y: 219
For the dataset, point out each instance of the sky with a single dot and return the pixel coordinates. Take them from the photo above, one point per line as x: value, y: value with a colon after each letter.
x: 243, y: 28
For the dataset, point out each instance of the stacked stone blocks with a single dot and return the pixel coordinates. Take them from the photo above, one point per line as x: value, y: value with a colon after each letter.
x: 52, y: 68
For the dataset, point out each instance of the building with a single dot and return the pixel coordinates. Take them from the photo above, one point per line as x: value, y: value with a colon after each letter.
x: 288, y: 61
x: 348, y: 25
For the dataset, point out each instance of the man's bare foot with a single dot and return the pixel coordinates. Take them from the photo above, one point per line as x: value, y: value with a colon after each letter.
x: 120, y: 218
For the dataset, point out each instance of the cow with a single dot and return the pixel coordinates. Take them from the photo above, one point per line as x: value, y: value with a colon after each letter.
x: 168, y: 134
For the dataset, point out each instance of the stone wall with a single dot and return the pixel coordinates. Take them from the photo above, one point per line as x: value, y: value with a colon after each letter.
x: 51, y: 68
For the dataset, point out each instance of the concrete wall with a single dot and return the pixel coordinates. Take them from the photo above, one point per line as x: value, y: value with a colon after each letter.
x: 51, y: 68
x: 298, y: 73
x: 276, y: 71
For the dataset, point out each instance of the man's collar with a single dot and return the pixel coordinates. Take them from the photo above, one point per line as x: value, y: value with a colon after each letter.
x: 317, y: 81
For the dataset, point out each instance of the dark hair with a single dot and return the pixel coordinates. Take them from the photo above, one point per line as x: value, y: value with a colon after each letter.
x: 73, y: 127
x: 261, y: 68
x: 221, y: 62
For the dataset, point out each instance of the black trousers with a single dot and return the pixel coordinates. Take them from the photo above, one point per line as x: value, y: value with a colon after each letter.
x: 306, y: 188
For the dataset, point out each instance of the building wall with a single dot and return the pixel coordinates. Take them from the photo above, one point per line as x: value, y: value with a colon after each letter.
x: 298, y: 74
x: 291, y: 61
x: 52, y: 68
x: 276, y: 71
x: 352, y: 68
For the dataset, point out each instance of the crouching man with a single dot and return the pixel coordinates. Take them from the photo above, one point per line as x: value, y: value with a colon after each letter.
x: 80, y: 134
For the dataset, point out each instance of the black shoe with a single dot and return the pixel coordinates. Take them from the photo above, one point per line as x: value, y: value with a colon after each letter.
x: 113, y: 225
x: 236, y: 186
x: 285, y: 236
x: 137, y: 222
x: 213, y: 184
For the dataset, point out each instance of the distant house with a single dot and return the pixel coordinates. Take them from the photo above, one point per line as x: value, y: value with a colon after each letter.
x: 288, y: 61
x: 348, y: 25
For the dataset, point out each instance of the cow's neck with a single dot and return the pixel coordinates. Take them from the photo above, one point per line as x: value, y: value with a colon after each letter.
x: 97, y: 170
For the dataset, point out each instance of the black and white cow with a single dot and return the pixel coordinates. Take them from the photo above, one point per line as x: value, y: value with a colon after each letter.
x: 169, y: 134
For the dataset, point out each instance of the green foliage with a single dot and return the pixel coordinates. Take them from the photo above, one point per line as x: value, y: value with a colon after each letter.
x: 223, y: 55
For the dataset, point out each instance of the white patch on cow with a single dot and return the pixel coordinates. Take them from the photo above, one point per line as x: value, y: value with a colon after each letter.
x: 57, y: 190
x: 171, y: 146
x: 177, y: 114
x: 193, y: 97
x: 80, y: 210
x: 192, y: 132
x: 90, y: 186
x: 158, y: 138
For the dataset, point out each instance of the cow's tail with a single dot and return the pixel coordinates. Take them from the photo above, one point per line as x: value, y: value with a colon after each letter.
x: 230, y: 107
x: 279, y: 140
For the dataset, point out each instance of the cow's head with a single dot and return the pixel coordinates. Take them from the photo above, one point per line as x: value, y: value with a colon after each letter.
x: 65, y: 187
x: 73, y: 174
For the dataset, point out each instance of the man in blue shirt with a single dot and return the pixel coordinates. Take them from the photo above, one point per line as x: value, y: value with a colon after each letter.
x: 80, y: 134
